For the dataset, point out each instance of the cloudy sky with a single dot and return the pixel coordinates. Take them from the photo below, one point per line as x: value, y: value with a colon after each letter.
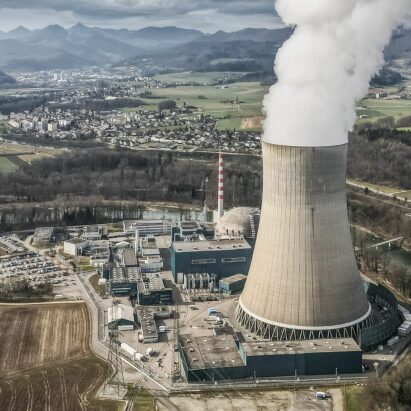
x: 206, y: 15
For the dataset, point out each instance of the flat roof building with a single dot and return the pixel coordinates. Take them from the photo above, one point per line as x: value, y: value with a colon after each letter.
x: 129, y: 258
x: 75, y: 246
x: 225, y: 357
x: 233, y: 284
x: 222, y: 257
x: 123, y: 281
x: 147, y: 227
x: 152, y: 290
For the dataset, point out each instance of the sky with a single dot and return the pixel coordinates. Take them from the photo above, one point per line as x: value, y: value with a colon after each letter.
x: 206, y: 15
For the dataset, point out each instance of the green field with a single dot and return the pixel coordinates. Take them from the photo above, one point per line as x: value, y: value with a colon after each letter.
x: 217, y: 102
x: 385, y: 108
x: 203, y: 77
x: 6, y: 166
x: 353, y: 398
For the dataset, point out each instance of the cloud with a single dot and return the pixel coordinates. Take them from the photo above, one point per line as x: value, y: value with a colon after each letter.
x: 123, y: 9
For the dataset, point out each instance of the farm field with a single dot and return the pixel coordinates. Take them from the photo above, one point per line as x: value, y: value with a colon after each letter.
x: 45, y: 360
x: 66, y: 387
x: 385, y: 108
x: 6, y: 166
x: 12, y: 156
x: 216, y: 101
x: 198, y: 77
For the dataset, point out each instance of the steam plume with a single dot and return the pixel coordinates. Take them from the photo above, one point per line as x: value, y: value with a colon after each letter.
x: 326, y: 66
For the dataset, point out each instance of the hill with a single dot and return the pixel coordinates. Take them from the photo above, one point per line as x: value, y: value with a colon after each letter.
x: 6, y: 79
x: 248, y: 50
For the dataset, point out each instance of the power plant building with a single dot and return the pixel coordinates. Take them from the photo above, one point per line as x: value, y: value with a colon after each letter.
x: 224, y: 357
x: 221, y: 257
x: 304, y: 281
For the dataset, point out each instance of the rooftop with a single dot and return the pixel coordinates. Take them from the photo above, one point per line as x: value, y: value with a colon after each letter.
x: 129, y: 258
x: 125, y: 275
x: 150, y: 282
x: 146, y: 318
x: 211, y: 351
x: 120, y: 312
x: 193, y: 246
x: 76, y: 241
x: 234, y: 278
x: 256, y: 348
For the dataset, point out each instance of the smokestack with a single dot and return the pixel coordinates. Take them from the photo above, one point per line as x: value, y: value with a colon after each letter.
x: 220, y: 186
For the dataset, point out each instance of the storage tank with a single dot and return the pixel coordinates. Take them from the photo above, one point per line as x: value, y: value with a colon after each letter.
x: 303, y: 281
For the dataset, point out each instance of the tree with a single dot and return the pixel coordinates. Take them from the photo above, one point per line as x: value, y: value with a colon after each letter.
x: 167, y: 105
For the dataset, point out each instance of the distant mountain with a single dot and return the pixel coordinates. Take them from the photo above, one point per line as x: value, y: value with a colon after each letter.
x: 55, y: 47
x: 252, y: 50
x: 245, y: 50
x: 6, y: 79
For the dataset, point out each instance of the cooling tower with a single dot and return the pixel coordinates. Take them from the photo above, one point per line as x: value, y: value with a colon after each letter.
x: 303, y: 281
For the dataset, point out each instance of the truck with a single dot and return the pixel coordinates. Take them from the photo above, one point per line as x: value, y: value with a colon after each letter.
x: 212, y: 310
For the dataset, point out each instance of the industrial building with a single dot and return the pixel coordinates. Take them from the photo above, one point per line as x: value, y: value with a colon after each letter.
x: 190, y: 230
x: 200, y: 281
x: 152, y: 290
x: 75, y: 246
x: 123, y: 281
x: 99, y: 252
x: 147, y: 318
x: 121, y: 317
x: 149, y: 257
x: 225, y: 357
x: 129, y: 258
x: 147, y: 227
x: 221, y: 257
x: 94, y: 233
x: 233, y: 284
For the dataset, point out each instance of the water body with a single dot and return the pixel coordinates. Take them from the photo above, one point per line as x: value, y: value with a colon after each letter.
x: 396, y: 255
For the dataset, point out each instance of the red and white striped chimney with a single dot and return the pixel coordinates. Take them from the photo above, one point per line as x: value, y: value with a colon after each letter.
x: 220, y: 186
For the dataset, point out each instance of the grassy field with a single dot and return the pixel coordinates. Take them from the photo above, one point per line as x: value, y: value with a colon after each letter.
x: 45, y: 359
x: 206, y: 77
x: 100, y: 288
x: 384, y: 189
x: 385, y: 108
x: 6, y: 166
x: 215, y: 101
x: 352, y: 398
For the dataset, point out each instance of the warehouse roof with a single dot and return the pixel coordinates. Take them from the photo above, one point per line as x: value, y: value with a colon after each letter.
x: 211, y: 351
x: 212, y: 245
x: 299, y: 347
x: 120, y: 312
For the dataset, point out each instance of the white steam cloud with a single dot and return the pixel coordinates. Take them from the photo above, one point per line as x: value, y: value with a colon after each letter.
x: 326, y: 66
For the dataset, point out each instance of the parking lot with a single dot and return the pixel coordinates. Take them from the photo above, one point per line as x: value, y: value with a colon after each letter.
x: 33, y: 268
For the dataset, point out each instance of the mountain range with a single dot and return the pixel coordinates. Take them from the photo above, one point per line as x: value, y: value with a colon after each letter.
x: 55, y: 47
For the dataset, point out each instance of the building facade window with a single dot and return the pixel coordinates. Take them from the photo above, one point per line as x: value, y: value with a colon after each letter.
x: 234, y: 260
x: 203, y: 261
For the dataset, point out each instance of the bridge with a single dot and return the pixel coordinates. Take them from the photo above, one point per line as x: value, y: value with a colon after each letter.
x: 389, y: 242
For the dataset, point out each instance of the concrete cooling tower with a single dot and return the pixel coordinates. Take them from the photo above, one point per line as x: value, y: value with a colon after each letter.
x: 303, y: 281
